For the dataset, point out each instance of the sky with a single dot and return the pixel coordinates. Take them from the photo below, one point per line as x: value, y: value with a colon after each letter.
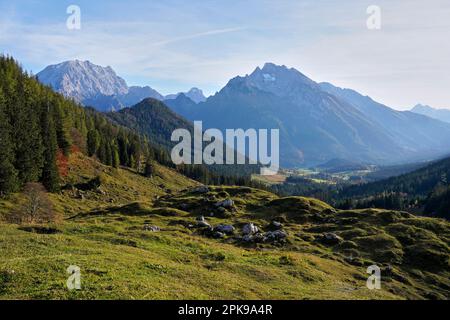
x: 173, y: 45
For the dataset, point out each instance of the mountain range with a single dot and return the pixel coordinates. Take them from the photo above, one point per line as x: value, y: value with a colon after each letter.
x: 100, y: 87
x: 318, y: 122
x: 440, y: 114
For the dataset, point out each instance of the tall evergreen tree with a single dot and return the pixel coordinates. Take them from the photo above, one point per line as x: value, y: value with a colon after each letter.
x: 61, y: 127
x: 149, y: 169
x: 8, y: 174
x: 50, y: 176
x: 93, y: 142
x: 26, y: 135
x: 115, y: 157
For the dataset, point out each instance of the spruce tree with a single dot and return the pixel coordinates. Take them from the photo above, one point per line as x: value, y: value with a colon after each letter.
x: 8, y: 174
x: 93, y: 142
x: 149, y: 169
x: 50, y: 176
x: 61, y: 127
x: 108, y: 154
x: 115, y: 157
x: 27, y: 134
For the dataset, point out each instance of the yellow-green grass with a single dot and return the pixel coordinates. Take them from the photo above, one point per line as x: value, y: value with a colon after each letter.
x: 119, y: 259
x: 270, y: 180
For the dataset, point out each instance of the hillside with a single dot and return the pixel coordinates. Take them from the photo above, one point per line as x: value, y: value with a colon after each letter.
x: 121, y: 258
x: 152, y: 118
x: 408, y: 129
x: 409, y: 191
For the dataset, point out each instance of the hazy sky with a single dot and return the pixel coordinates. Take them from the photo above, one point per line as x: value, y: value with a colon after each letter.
x: 173, y: 45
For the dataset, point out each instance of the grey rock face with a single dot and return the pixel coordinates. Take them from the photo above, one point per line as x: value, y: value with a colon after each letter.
x: 94, y: 85
x: 82, y: 80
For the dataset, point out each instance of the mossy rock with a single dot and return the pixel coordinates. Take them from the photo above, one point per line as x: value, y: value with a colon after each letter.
x: 300, y: 203
x: 354, y: 233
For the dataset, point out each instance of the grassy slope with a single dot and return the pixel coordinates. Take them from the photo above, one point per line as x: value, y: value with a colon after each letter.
x: 118, y: 259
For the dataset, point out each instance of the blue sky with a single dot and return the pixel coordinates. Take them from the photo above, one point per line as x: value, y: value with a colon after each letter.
x: 173, y: 45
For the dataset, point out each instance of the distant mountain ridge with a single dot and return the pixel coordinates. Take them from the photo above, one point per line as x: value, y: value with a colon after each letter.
x: 195, y: 94
x: 318, y: 122
x: 439, y: 114
x: 100, y: 87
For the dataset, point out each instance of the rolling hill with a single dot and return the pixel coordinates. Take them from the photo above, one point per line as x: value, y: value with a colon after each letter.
x: 152, y: 118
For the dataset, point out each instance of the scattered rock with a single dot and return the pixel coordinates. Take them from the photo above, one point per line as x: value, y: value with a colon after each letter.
x: 253, y: 238
x: 221, y: 209
x: 218, y: 235
x: 277, y: 224
x: 331, y: 238
x: 151, y: 228
x: 184, y: 206
x: 275, y: 236
x: 250, y: 229
x: 201, y: 189
x: 201, y: 223
x: 226, y: 229
x: 228, y: 203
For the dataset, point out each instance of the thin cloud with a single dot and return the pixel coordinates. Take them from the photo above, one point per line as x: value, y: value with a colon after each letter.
x: 200, y: 35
